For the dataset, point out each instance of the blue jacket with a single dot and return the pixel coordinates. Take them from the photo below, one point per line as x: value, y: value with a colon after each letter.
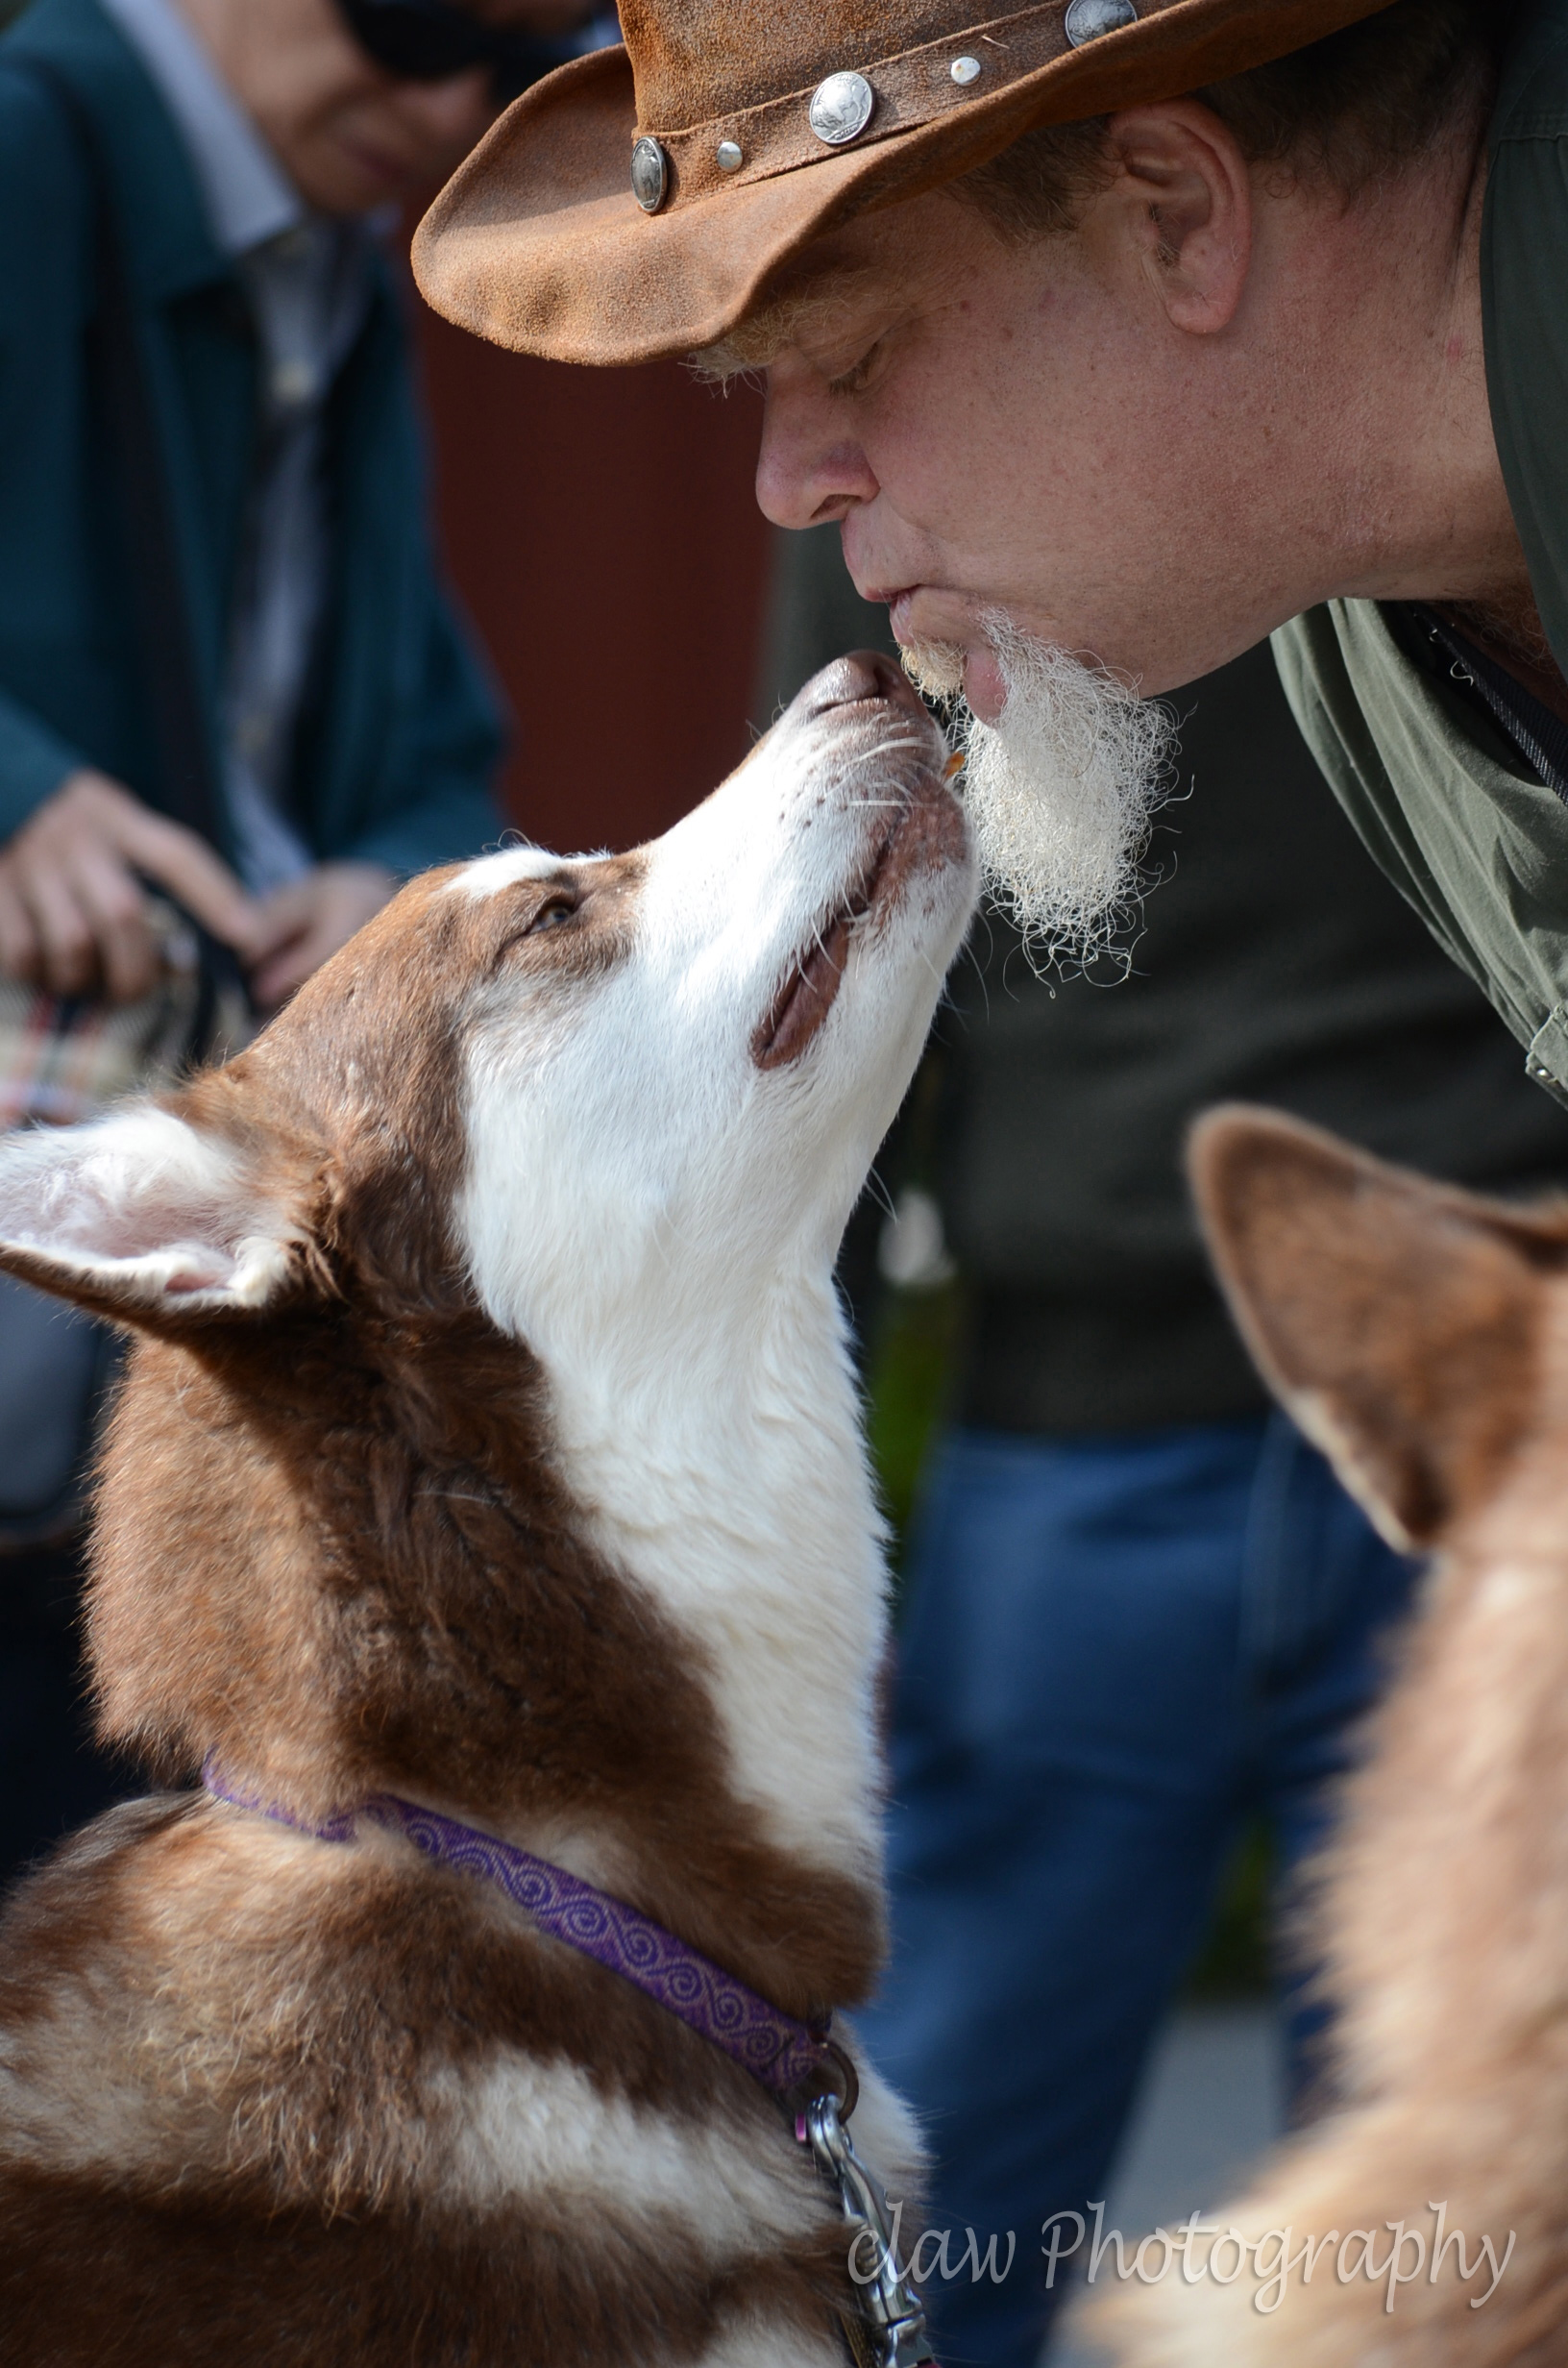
x: 400, y: 735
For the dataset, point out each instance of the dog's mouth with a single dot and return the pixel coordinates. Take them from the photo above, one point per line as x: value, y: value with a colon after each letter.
x: 812, y: 982
x: 926, y: 822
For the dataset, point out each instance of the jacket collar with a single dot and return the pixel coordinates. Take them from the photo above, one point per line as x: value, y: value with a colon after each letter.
x: 249, y: 197
x: 169, y: 243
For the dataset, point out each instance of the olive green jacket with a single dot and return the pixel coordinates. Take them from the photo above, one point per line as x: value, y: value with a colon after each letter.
x: 1446, y: 804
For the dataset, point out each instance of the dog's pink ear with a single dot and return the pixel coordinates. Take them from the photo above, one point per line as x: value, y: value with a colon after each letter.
x: 1397, y: 1319
x: 149, y: 1217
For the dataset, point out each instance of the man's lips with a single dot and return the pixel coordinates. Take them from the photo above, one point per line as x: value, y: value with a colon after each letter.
x: 899, y: 604
x: 924, y: 612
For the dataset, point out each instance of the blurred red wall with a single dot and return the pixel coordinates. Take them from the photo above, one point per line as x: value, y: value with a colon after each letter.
x: 602, y: 528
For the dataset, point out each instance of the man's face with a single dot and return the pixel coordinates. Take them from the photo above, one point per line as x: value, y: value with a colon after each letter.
x: 348, y: 136
x: 1000, y: 428
x: 1223, y: 396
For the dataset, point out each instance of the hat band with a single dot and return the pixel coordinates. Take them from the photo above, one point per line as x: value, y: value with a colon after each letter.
x: 916, y: 86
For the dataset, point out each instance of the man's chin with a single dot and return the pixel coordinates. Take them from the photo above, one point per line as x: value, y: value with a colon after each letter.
x: 984, y: 687
x: 934, y: 667
x: 950, y: 669
x: 1061, y: 779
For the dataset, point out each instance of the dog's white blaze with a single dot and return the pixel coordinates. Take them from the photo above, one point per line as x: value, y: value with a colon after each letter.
x: 60, y: 2113
x: 756, y: 2347
x: 526, y: 2126
x: 516, y: 2127
x: 658, y: 1219
x: 489, y: 875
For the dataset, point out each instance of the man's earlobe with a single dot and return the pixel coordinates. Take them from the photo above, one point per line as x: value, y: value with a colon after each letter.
x: 149, y: 1218
x: 1187, y: 192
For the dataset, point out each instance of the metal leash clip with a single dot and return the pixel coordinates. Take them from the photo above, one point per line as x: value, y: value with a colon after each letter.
x: 890, y: 2332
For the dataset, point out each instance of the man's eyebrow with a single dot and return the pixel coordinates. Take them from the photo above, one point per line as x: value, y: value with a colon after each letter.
x: 812, y: 311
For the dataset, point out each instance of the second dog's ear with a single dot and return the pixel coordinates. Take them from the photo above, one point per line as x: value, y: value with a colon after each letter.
x: 1397, y: 1319
x: 148, y: 1216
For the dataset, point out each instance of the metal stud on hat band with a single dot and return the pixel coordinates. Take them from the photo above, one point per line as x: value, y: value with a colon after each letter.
x: 650, y: 175
x: 678, y: 168
x: 841, y: 109
x: 1086, y: 19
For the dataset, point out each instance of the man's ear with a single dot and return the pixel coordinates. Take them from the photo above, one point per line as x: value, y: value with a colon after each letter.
x: 1183, y: 189
x: 1397, y: 1319
x: 150, y: 1217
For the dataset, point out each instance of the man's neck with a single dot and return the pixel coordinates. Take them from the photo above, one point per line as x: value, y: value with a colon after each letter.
x: 1425, y: 513
x: 1465, y: 558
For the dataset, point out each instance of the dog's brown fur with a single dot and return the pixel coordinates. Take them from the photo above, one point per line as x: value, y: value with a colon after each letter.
x: 1421, y: 1337
x: 368, y: 1576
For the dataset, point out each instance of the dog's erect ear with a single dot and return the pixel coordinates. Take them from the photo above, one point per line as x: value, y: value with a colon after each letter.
x: 148, y: 1216
x: 1397, y: 1319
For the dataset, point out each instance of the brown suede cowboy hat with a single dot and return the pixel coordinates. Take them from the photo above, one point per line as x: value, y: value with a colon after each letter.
x: 638, y: 201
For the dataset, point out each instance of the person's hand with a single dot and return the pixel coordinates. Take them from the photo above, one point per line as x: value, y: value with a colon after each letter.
x: 298, y: 927
x: 74, y: 909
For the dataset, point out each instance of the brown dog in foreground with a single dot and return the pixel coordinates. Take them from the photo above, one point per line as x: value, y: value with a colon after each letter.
x: 490, y: 1442
x: 1420, y: 1337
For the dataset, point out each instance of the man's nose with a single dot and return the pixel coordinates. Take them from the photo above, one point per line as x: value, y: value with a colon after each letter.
x: 808, y: 470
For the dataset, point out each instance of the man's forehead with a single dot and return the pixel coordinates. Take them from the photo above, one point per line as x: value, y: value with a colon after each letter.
x: 856, y: 280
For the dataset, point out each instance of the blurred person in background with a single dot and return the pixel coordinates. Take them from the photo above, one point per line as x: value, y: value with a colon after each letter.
x: 236, y: 706
x: 1140, y: 1611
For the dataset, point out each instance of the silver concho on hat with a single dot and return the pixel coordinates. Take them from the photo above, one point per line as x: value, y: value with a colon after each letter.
x: 841, y: 109
x: 649, y: 174
x: 1086, y: 19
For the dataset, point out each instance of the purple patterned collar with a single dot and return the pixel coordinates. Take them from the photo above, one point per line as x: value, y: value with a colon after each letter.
x: 783, y: 2054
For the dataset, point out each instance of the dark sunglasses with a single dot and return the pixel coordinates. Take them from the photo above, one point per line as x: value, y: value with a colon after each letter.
x: 429, y: 40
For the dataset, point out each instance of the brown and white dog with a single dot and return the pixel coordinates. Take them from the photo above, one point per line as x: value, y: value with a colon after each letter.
x: 489, y: 1438
x: 1420, y: 1335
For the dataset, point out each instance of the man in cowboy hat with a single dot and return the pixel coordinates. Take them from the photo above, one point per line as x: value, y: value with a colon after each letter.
x: 1127, y: 332
x: 1135, y: 330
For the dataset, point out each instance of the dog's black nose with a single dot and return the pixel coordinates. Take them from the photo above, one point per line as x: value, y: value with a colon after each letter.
x: 865, y: 673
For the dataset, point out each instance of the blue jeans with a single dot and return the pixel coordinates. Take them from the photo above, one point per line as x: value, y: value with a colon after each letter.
x: 1117, y: 1647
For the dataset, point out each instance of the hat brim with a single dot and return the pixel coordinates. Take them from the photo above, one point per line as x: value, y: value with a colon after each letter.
x: 537, y: 243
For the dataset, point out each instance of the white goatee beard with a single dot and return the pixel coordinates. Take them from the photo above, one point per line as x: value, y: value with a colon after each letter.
x: 1060, y: 790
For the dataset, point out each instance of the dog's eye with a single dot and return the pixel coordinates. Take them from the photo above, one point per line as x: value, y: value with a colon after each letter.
x: 554, y: 911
